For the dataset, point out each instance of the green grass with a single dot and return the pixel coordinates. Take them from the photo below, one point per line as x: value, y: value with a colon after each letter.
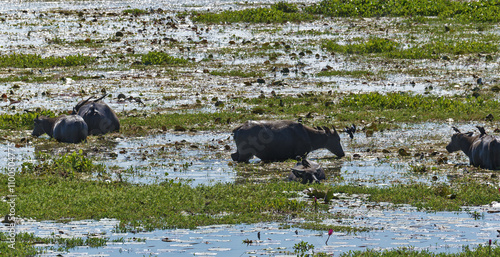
x: 464, y: 11
x: 432, y: 50
x: 36, y: 61
x: 353, y: 73
x: 238, y: 73
x: 482, y: 250
x: 278, y: 13
x: 135, y: 11
x: 22, y: 121
x: 346, y: 108
x: 178, y: 205
x: 24, y: 244
x: 161, y: 58
x: 419, y: 107
x: 70, y: 165
x: 400, y: 107
x: 475, y: 11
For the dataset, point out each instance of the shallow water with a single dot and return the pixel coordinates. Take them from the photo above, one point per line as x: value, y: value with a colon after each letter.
x: 204, y: 157
x: 404, y: 227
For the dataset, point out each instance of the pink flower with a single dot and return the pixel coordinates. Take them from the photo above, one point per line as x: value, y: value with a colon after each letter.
x: 330, y: 232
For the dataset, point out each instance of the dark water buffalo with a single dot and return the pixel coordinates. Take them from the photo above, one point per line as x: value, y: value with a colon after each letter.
x: 65, y: 128
x: 483, y: 150
x: 99, y: 117
x: 282, y: 140
x: 306, y: 171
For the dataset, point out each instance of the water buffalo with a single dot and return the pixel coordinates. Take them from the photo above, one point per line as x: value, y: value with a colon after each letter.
x: 99, y: 117
x: 306, y: 171
x: 282, y: 140
x: 65, y: 128
x: 483, y: 150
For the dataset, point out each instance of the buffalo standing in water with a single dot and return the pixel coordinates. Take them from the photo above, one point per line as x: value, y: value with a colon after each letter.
x: 483, y: 150
x: 282, y: 140
x: 65, y: 128
x: 99, y: 117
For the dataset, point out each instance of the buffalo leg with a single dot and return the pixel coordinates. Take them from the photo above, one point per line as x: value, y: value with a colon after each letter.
x: 241, y: 158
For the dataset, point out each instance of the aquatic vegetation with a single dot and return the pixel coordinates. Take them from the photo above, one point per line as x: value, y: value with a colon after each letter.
x: 278, y: 13
x: 24, y: 244
x: 161, y: 58
x: 480, y: 11
x: 67, y: 165
x: 413, y: 106
x: 353, y: 73
x: 317, y: 225
x: 237, y: 73
x: 37, y: 61
x: 21, y: 121
x: 431, y: 50
x: 302, y: 248
x: 373, y: 45
x: 480, y: 250
x: 134, y: 11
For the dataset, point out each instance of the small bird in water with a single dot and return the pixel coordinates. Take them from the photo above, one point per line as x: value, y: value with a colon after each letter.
x: 350, y: 131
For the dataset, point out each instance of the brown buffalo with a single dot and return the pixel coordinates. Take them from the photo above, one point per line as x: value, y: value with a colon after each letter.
x: 282, y: 140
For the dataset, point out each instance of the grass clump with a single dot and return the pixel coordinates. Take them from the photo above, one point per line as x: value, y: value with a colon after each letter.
x: 25, y: 244
x: 135, y: 11
x: 353, y: 73
x: 36, y: 61
x: 373, y: 45
x: 403, y: 100
x: 237, y: 73
x: 21, y: 121
x: 161, y: 58
x: 406, y: 106
x: 67, y: 165
x: 278, y: 13
x: 432, y: 50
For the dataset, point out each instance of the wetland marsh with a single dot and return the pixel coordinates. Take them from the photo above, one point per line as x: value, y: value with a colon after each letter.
x: 181, y: 75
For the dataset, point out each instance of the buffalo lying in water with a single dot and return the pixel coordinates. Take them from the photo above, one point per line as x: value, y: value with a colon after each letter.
x: 306, y: 171
x: 483, y: 150
x: 99, y: 117
x: 65, y: 128
x: 282, y: 140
